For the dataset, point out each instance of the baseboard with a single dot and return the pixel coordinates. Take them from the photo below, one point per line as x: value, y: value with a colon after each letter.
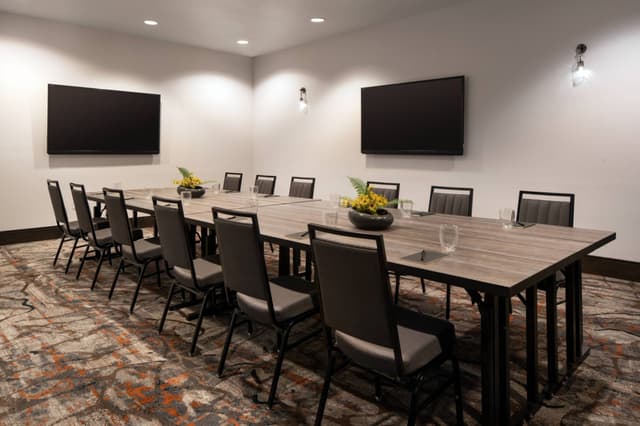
x: 26, y: 235
x: 614, y: 268
x: 17, y: 236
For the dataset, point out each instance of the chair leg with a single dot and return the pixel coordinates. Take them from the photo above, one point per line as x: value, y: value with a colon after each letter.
x: 159, y: 281
x: 84, y: 257
x: 135, y: 294
x: 378, y: 388
x: 115, y: 279
x: 55, y: 259
x: 296, y: 261
x: 166, y: 307
x: 325, y: 388
x: 424, y: 286
x: 95, y: 276
x: 458, y: 391
x: 397, y: 295
x: 276, y: 373
x: 448, y: 302
x: 109, y: 256
x: 196, y: 333
x: 227, y: 342
x: 249, y: 328
x: 413, y: 406
x: 73, y: 250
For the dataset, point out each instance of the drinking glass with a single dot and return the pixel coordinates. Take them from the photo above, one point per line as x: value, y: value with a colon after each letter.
x: 330, y: 217
x: 215, y: 187
x: 186, y: 197
x: 148, y: 194
x: 253, y: 191
x: 334, y: 200
x: 406, y: 207
x: 448, y: 237
x: 506, y: 217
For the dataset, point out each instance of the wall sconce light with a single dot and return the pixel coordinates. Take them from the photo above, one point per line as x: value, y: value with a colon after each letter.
x: 302, y: 101
x: 580, y: 73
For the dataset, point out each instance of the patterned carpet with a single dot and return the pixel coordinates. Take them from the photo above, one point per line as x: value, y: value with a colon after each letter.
x: 70, y: 356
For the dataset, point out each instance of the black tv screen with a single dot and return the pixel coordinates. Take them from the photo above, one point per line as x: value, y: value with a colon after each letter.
x: 82, y: 120
x: 422, y: 117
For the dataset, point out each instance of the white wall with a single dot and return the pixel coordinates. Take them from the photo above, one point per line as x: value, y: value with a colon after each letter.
x: 526, y: 126
x: 205, y: 120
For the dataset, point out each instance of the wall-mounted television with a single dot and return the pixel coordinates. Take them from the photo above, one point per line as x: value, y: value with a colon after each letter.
x: 421, y: 117
x: 83, y: 120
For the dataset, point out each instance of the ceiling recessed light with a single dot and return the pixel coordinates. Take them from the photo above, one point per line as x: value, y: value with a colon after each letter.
x: 317, y: 20
x: 151, y: 22
x: 242, y: 41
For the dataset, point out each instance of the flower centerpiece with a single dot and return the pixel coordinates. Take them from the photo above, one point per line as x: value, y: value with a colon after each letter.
x: 189, y: 182
x: 367, y: 210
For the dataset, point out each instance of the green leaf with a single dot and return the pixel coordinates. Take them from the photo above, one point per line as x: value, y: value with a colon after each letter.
x: 358, y: 184
x: 184, y: 172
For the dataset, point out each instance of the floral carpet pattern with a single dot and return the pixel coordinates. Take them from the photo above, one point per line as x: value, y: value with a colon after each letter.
x: 70, y: 356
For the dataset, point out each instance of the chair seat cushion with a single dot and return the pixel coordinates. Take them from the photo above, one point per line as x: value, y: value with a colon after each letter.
x: 422, y: 339
x: 207, y: 273
x: 291, y: 296
x: 103, y: 237
x: 145, y: 250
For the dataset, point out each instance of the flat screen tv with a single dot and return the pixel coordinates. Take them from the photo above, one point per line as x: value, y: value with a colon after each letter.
x: 82, y: 120
x: 422, y: 117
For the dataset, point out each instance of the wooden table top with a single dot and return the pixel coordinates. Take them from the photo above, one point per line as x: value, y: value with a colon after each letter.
x: 488, y: 258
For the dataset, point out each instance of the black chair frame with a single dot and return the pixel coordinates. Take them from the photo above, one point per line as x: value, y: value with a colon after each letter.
x: 62, y: 222
x: 140, y: 264
x: 232, y: 174
x: 414, y: 381
x: 435, y: 188
x: 208, y: 295
x: 101, y: 250
x: 281, y: 328
x: 270, y: 178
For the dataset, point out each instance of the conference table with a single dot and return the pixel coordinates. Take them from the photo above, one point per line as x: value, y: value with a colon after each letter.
x: 491, y: 263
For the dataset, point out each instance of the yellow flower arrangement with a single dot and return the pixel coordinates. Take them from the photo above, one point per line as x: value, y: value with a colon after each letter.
x: 367, y: 201
x: 189, y: 180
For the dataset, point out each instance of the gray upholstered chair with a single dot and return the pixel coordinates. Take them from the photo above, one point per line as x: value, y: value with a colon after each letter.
x: 549, y: 208
x: 451, y: 200
x: 446, y: 200
x: 393, y: 342
x: 70, y: 230
x: 266, y: 184
x: 279, y: 303
x: 232, y: 182
x: 98, y: 240
x: 302, y: 187
x: 197, y: 276
x: 137, y: 252
x: 391, y: 191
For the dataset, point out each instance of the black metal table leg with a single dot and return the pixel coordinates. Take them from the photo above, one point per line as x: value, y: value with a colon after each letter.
x: 533, y: 394
x: 551, y: 297
x: 204, y: 236
x: 575, y: 351
x: 284, y: 267
x: 97, y: 209
x: 135, y: 219
x: 496, y: 390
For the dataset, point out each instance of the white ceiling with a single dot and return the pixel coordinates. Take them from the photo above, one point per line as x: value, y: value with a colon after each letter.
x: 269, y: 25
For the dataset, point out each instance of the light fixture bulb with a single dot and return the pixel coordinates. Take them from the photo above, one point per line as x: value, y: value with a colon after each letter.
x: 317, y: 20
x: 151, y: 22
x: 243, y: 42
x: 302, y: 100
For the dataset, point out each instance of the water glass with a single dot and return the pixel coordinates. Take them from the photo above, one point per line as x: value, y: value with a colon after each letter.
x: 334, y: 200
x: 253, y: 191
x: 148, y: 194
x: 506, y: 216
x: 215, y: 188
x: 448, y: 237
x: 330, y: 217
x: 406, y: 207
x: 186, y: 197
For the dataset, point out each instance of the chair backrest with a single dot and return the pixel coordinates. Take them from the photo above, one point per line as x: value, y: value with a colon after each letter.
x: 232, y: 181
x: 81, y: 203
x: 354, y: 286
x: 549, y: 208
x: 118, y: 218
x: 173, y: 233
x: 451, y: 200
x: 391, y: 191
x: 242, y: 254
x: 266, y: 184
x: 57, y: 202
x: 302, y: 187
